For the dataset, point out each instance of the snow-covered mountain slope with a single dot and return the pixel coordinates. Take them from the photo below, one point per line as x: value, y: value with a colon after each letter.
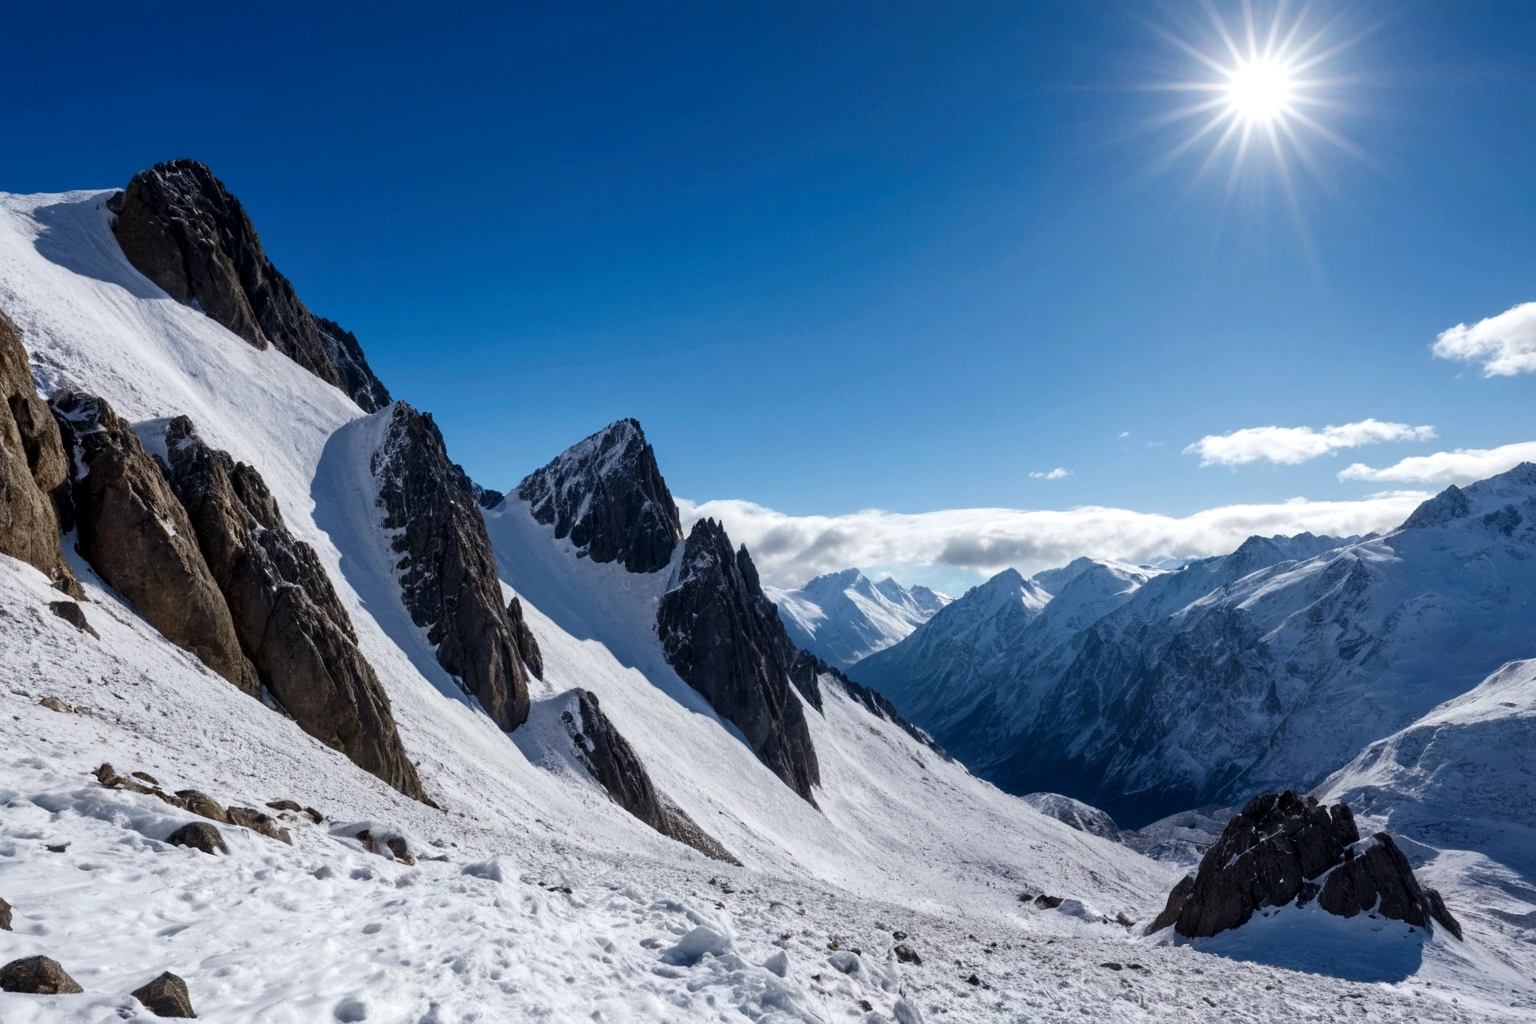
x: 843, y: 617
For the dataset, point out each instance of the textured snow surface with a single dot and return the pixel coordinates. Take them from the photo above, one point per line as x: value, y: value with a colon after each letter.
x: 844, y: 616
x: 535, y: 897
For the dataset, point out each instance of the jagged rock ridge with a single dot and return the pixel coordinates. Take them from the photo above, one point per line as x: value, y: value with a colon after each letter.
x: 136, y: 535
x: 32, y: 466
x: 724, y: 637
x: 527, y: 643
x: 447, y: 572
x: 288, y: 618
x: 180, y: 227
x: 607, y: 755
x: 1280, y: 849
x: 607, y: 495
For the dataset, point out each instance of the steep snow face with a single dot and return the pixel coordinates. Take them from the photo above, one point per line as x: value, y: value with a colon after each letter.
x: 1462, y: 776
x: 843, y: 617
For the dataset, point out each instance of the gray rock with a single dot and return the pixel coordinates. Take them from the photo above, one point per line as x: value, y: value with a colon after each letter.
x: 166, y: 996
x: 199, y: 835
x: 447, y: 572
x: 1380, y: 878
x: 610, y: 759
x: 137, y: 536
x: 179, y: 226
x: 72, y: 613
x: 725, y: 639
x: 32, y: 466
x: 527, y: 645
x: 286, y: 613
x: 38, y: 976
x: 607, y: 495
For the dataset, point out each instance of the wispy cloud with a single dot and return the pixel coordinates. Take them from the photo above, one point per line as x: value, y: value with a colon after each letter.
x: 1462, y: 466
x: 1288, y: 446
x: 1055, y: 474
x: 1504, y: 344
x: 791, y: 549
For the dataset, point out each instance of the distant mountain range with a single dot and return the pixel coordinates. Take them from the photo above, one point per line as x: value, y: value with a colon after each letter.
x: 843, y: 617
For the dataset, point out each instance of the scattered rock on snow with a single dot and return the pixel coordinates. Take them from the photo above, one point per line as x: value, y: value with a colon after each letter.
x: 199, y: 835
x: 906, y: 954
x: 285, y: 805
x: 5, y: 916
x: 251, y: 818
x: 71, y: 613
x: 39, y: 976
x: 166, y: 996
x: 54, y: 704
x: 202, y: 804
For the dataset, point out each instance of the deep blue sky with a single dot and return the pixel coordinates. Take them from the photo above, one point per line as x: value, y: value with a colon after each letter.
x: 835, y: 256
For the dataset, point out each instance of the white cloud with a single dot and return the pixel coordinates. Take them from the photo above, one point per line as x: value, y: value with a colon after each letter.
x: 791, y: 549
x: 1055, y: 474
x: 1288, y: 446
x: 1462, y: 466
x: 1504, y: 344
x: 1125, y: 433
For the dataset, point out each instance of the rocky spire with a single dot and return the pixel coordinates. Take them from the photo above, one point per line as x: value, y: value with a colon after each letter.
x: 447, y: 572
x: 179, y: 226
x: 32, y: 467
x: 137, y: 536
x: 286, y: 614
x: 725, y: 639
x: 607, y: 495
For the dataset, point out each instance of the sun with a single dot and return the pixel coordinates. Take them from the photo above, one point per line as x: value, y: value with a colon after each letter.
x: 1259, y: 91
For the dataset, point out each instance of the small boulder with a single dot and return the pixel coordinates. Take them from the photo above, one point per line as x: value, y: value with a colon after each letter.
x: 166, y: 996
x: 71, y: 613
x: 5, y: 916
x: 200, y: 836
x: 284, y: 805
x: 907, y: 955
x: 146, y: 777
x: 251, y: 818
x: 203, y: 805
x: 1048, y: 902
x: 390, y: 846
x: 316, y: 817
x: 54, y: 704
x: 38, y: 976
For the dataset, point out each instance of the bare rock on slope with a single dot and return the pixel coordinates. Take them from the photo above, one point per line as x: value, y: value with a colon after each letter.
x: 166, y: 996
x: 180, y: 227
x: 527, y: 644
x: 32, y: 466
x: 137, y: 536
x: 725, y: 639
x: 287, y: 616
x: 607, y: 495
x: 610, y: 759
x: 38, y: 976
x: 447, y: 572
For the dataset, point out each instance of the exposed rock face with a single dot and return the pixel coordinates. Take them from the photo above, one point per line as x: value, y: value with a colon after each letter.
x: 199, y: 835
x: 610, y: 759
x: 32, y: 466
x: 166, y: 996
x: 607, y: 495
x: 1282, y: 848
x: 447, y: 571
x: 137, y: 536
x: 5, y: 916
x: 527, y: 645
x: 725, y: 639
x: 71, y: 613
x: 179, y: 226
x: 287, y: 616
x: 38, y: 976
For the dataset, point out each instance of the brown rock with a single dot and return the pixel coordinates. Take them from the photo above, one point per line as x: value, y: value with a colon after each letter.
x: 202, y: 804
x: 38, y: 976
x: 137, y: 536
x: 251, y: 818
x: 315, y: 816
x: 199, y: 835
x: 145, y: 776
x: 5, y: 916
x: 166, y: 996
x: 54, y: 704
x: 286, y: 613
x: 907, y: 955
x: 284, y: 805
x: 32, y: 465
x: 72, y: 614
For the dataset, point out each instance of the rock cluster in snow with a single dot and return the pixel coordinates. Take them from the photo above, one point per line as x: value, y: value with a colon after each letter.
x: 725, y: 639
x: 286, y: 614
x: 181, y: 228
x: 446, y: 570
x: 607, y: 495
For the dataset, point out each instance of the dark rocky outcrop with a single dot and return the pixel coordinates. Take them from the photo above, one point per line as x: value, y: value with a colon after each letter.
x: 527, y: 645
x: 5, y: 916
x: 32, y: 467
x: 446, y: 569
x: 179, y: 226
x: 166, y: 996
x: 286, y: 614
x: 202, y: 804
x: 607, y: 755
x: 485, y: 497
x: 73, y: 614
x: 38, y: 976
x: 137, y: 536
x: 1283, y: 848
x: 199, y: 835
x: 725, y: 639
x: 607, y: 495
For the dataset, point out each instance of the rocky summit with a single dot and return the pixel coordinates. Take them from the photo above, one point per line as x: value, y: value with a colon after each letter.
x: 606, y: 495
